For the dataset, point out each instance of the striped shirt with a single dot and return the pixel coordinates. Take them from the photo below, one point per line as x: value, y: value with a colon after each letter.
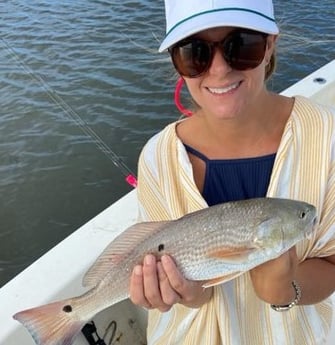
x: 304, y: 169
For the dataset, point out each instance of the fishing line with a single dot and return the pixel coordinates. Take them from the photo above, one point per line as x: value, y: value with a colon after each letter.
x: 75, y: 117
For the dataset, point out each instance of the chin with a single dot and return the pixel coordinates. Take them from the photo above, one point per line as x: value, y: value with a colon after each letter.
x: 226, y: 113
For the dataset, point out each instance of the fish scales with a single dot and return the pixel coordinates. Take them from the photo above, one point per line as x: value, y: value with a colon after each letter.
x: 213, y: 245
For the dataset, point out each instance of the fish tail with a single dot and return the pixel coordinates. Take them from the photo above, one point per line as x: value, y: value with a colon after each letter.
x: 51, y: 324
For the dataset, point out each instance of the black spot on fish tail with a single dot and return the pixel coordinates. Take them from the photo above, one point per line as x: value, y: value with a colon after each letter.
x: 161, y: 247
x: 67, y: 309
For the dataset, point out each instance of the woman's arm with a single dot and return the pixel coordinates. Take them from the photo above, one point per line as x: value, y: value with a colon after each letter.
x: 272, y: 281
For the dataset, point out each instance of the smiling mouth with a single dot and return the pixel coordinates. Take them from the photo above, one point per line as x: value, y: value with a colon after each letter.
x: 223, y: 90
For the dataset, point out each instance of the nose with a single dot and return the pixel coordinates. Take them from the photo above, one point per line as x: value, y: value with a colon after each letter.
x: 219, y: 64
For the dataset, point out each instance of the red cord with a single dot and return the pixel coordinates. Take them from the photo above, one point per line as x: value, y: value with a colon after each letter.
x: 180, y: 107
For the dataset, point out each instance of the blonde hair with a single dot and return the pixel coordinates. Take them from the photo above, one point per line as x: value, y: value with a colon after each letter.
x: 271, y: 66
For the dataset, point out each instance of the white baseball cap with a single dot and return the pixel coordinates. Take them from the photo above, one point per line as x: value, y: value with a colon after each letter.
x: 187, y: 17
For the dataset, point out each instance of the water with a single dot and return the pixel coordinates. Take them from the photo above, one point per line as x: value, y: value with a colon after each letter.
x: 97, y: 60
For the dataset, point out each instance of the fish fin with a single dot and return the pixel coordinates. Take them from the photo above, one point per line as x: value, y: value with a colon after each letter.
x: 50, y: 324
x: 118, y: 249
x: 220, y: 280
x: 232, y: 254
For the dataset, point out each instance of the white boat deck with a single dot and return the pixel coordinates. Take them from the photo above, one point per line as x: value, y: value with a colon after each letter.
x: 59, y: 272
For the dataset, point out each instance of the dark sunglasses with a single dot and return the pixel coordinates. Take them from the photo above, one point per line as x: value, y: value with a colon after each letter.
x: 242, y: 49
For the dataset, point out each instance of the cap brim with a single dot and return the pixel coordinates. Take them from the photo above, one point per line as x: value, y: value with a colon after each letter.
x: 247, y: 20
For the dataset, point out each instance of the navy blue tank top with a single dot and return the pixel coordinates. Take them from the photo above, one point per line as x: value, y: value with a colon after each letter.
x: 235, y: 179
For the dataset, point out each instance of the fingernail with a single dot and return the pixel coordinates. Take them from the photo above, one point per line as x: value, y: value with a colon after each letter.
x: 149, y: 260
x: 165, y: 259
x: 138, y: 270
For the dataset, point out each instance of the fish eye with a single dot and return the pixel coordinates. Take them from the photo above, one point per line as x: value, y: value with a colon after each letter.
x: 302, y: 214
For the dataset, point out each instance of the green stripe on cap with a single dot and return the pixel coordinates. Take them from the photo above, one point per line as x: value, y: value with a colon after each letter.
x: 218, y: 10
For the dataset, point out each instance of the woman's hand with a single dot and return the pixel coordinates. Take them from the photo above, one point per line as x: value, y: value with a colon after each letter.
x: 272, y: 280
x: 159, y: 284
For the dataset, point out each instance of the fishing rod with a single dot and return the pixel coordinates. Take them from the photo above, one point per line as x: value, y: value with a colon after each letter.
x: 130, y: 177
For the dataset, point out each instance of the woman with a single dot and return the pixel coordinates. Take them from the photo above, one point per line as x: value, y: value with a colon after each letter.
x: 241, y: 142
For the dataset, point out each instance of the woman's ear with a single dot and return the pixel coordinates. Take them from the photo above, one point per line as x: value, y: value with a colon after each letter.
x: 271, y: 45
x: 270, y: 56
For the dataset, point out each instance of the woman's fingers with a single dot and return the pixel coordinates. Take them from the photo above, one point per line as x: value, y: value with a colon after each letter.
x: 169, y: 295
x: 136, y: 289
x: 151, y: 284
x: 174, y: 276
x: 159, y: 284
x: 190, y: 293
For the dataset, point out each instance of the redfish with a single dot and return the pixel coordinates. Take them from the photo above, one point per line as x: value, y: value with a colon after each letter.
x: 213, y: 245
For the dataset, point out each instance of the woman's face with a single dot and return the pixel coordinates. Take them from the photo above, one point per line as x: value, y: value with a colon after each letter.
x: 223, y: 92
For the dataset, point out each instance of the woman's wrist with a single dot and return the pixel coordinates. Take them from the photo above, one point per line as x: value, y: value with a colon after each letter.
x: 202, y: 298
x: 272, y: 281
x: 278, y: 291
x: 293, y: 303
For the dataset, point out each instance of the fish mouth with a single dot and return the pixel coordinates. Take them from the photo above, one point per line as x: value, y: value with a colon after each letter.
x: 310, y: 232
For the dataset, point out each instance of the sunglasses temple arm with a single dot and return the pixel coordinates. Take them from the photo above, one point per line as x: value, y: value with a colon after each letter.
x: 177, y: 101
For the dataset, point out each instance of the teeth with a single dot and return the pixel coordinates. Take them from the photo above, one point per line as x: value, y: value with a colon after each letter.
x: 223, y: 90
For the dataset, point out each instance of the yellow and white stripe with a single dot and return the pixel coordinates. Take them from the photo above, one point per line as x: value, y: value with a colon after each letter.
x: 304, y: 170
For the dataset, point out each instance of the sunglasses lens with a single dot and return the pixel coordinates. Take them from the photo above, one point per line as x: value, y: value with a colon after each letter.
x: 242, y: 50
x: 191, y: 58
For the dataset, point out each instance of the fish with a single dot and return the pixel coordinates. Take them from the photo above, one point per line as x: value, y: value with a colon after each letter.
x: 213, y: 245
